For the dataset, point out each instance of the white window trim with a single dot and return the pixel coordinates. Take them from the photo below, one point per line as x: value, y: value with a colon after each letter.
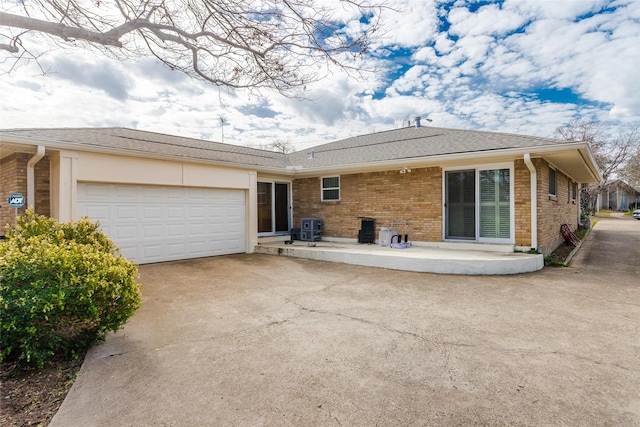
x: 573, y: 195
x: 478, y: 167
x: 322, y: 178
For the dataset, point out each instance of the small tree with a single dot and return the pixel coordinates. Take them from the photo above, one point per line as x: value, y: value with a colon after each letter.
x: 62, y: 288
x: 260, y: 44
x: 282, y: 146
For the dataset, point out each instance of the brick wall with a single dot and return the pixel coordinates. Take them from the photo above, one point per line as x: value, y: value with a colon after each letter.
x: 522, y: 204
x: 553, y: 211
x: 386, y: 196
x: 13, y: 176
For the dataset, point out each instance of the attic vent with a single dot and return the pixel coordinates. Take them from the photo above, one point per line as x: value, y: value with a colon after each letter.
x: 418, y: 119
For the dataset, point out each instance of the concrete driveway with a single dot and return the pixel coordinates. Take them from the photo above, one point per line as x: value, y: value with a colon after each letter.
x: 261, y: 340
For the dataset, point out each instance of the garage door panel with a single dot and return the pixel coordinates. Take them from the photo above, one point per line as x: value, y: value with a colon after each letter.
x: 151, y: 213
x: 198, y: 229
x: 129, y: 251
x: 150, y: 194
x: 236, y: 211
x: 154, y: 224
x: 237, y: 198
x: 126, y: 213
x: 96, y: 192
x: 197, y: 211
x: 176, y: 194
x: 152, y: 253
x: 175, y: 230
x: 176, y: 213
x: 97, y: 213
x: 198, y: 194
x: 125, y: 192
x: 151, y: 231
x: 234, y: 244
x: 198, y: 248
x: 126, y: 232
x: 176, y: 249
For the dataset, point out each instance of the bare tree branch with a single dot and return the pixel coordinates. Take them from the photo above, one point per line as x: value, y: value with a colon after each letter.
x: 60, y: 30
x: 278, y: 45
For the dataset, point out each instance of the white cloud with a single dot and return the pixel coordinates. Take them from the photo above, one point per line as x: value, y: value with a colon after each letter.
x: 562, y: 9
x: 488, y: 20
x: 484, y: 72
x: 409, y: 23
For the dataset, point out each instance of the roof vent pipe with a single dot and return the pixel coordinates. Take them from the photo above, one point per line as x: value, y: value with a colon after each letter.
x: 417, y: 122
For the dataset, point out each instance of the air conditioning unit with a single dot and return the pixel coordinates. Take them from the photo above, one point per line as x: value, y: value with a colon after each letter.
x: 311, y: 229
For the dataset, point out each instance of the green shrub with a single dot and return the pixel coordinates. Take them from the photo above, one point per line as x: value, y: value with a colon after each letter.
x: 63, y: 286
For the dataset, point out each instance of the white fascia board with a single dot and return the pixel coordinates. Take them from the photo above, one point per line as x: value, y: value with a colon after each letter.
x: 587, y: 156
x: 439, y: 159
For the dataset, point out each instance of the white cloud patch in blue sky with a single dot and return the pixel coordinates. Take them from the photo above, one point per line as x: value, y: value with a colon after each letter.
x: 522, y: 66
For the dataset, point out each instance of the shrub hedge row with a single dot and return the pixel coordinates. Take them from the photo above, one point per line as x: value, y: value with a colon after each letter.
x: 63, y: 286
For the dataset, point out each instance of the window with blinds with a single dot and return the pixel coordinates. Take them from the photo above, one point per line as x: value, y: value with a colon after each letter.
x: 495, y: 204
x: 330, y: 188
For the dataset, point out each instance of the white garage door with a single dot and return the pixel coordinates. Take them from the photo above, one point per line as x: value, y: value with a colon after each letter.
x: 154, y: 224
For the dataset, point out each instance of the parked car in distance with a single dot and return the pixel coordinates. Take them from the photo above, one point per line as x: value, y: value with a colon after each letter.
x: 636, y: 214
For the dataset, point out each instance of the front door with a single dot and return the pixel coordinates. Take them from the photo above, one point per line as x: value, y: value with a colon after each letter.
x: 273, y: 208
x: 478, y: 205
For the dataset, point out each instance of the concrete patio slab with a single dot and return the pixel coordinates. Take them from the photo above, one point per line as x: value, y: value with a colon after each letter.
x: 416, y: 258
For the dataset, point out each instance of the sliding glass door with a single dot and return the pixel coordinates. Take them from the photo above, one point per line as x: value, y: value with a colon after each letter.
x: 273, y: 207
x: 461, y: 205
x: 478, y: 205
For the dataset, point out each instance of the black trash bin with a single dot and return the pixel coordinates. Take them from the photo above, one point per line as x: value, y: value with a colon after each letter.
x: 367, y: 232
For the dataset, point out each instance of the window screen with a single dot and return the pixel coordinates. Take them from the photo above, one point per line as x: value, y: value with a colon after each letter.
x: 553, y: 184
x: 330, y: 188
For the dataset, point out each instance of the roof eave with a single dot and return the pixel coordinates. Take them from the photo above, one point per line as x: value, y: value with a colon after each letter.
x: 455, y: 158
x: 72, y: 146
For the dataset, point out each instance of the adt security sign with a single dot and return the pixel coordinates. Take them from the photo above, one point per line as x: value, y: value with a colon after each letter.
x: 16, y: 200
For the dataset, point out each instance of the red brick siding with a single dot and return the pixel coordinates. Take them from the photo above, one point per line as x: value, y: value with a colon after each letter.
x: 553, y: 212
x: 386, y: 196
x: 13, y: 176
x: 522, y: 204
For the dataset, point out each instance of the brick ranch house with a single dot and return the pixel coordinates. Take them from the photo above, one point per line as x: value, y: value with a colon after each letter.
x: 162, y: 197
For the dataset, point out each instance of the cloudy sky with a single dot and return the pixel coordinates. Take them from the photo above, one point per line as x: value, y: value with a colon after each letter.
x: 523, y: 66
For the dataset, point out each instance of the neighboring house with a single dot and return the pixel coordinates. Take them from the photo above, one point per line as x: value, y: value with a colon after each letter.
x: 162, y: 197
x: 617, y: 196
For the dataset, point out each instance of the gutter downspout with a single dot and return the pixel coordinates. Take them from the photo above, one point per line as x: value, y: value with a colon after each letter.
x: 31, y: 181
x: 534, y: 201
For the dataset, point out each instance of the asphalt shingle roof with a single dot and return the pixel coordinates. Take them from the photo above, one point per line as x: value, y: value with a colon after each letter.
x: 397, y: 144
x: 150, y: 143
x: 412, y: 143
